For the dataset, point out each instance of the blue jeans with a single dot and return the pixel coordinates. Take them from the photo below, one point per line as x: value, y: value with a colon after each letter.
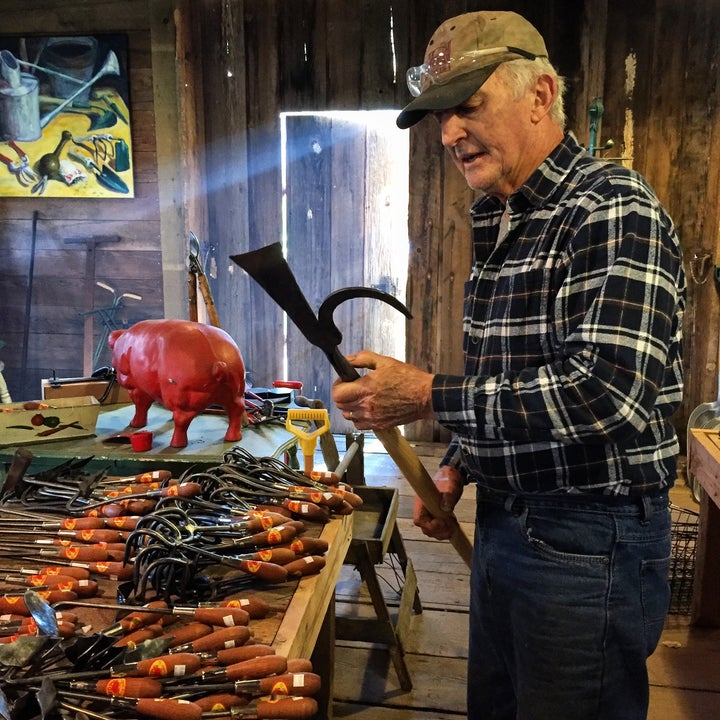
x: 569, y: 598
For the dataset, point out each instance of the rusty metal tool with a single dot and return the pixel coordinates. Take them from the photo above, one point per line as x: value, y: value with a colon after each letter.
x: 270, y: 270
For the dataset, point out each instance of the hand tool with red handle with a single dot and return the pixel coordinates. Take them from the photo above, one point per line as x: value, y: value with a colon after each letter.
x: 160, y: 708
x: 226, y: 638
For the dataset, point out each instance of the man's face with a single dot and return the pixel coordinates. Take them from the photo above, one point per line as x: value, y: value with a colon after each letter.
x: 489, y: 137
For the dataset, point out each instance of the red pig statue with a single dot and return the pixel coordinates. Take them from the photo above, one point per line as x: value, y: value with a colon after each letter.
x: 184, y: 365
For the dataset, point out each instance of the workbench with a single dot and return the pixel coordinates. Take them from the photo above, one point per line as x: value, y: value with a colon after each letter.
x: 304, y: 624
x: 110, y: 446
x: 704, y: 463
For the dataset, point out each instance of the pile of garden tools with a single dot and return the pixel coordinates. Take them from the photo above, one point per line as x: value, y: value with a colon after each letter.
x: 187, y: 559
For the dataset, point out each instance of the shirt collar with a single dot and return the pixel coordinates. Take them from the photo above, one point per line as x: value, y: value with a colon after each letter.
x: 543, y: 182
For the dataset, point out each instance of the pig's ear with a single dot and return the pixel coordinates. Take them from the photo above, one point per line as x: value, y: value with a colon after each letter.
x: 112, y: 338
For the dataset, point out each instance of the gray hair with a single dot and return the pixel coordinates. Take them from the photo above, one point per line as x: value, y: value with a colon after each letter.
x: 521, y: 76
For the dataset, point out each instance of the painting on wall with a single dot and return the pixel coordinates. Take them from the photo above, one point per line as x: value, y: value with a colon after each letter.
x: 64, y: 117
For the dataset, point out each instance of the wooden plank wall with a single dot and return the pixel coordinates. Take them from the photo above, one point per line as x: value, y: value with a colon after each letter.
x: 54, y: 326
x: 654, y: 62
x: 328, y: 55
x: 662, y: 108
x: 651, y: 61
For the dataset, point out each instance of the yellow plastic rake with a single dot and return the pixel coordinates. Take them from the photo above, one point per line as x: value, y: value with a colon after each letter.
x: 308, y: 440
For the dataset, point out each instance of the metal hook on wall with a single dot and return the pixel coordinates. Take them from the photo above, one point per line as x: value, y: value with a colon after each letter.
x: 700, y: 266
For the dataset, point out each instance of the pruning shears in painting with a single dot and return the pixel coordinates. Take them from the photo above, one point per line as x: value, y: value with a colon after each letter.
x: 20, y: 168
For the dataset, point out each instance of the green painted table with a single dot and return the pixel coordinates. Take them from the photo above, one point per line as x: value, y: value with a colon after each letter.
x: 205, y: 447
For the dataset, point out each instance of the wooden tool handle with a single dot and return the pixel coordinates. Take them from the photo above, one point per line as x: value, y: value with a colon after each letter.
x: 168, y: 709
x: 410, y: 466
x: 19, y: 465
x: 209, y: 302
x: 283, y: 707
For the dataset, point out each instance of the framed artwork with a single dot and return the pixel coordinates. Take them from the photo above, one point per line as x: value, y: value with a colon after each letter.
x: 64, y: 117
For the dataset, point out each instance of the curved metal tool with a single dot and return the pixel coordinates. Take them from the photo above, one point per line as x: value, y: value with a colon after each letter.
x: 268, y: 267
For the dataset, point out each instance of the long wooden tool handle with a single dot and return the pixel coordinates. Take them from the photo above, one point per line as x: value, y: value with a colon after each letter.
x: 410, y: 466
x: 209, y: 302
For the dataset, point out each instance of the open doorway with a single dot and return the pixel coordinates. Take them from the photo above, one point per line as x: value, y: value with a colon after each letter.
x: 344, y: 218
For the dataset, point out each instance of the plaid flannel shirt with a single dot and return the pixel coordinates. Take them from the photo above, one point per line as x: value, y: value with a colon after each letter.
x: 572, y: 336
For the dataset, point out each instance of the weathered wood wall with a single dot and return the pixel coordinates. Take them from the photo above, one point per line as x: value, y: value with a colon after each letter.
x: 652, y: 63
x: 241, y: 63
x: 324, y: 55
x: 662, y: 108
x: 38, y: 263
x: 50, y: 338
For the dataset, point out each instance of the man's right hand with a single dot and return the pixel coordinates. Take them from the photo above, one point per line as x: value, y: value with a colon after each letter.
x: 449, y: 482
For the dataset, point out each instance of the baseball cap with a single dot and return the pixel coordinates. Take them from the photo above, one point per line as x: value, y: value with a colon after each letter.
x: 462, y: 54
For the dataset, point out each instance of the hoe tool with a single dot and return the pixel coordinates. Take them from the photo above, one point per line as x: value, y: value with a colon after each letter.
x: 270, y: 270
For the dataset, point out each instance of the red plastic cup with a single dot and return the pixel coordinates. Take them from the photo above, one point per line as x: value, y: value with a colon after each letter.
x: 141, y: 440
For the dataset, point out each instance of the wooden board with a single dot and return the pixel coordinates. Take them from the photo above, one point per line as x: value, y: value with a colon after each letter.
x: 704, y: 463
x: 298, y: 631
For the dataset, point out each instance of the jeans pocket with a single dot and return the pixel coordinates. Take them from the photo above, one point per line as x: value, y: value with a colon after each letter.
x: 655, y: 590
x: 564, y: 543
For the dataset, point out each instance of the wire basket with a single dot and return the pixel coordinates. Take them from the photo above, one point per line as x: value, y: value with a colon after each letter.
x: 683, y: 536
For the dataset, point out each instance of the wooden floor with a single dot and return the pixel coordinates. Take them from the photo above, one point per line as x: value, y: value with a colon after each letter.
x: 684, y: 671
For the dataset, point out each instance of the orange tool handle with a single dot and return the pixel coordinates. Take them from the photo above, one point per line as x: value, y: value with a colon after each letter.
x: 82, y: 523
x: 122, y: 522
x: 221, y: 616
x: 288, y: 708
x: 269, y: 518
x: 306, y: 565
x: 147, y: 477
x: 119, y: 570
x: 346, y: 494
x: 232, y: 656
x: 15, y: 604
x: 276, y: 554
x: 92, y: 535
x: 296, y: 684
x: 295, y: 665
x: 138, y: 618
x: 229, y: 637
x: 309, y: 546
x: 137, y: 507
x: 254, y: 606
x: 308, y: 510
x: 134, y: 638
x: 109, y: 510
x: 221, y: 702
x: 252, y: 669
x: 91, y: 553
x: 65, y: 629
x: 173, y: 665
x: 291, y: 384
x: 319, y: 497
x: 138, y: 489
x: 169, y: 709
x: 82, y: 588
x: 269, y: 572
x: 122, y: 687
x: 187, y: 633
x: 80, y: 573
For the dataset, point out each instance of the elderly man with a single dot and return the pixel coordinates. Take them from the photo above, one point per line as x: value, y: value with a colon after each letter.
x: 572, y: 339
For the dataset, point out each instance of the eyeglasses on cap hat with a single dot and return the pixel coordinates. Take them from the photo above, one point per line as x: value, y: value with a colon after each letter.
x: 462, y: 54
